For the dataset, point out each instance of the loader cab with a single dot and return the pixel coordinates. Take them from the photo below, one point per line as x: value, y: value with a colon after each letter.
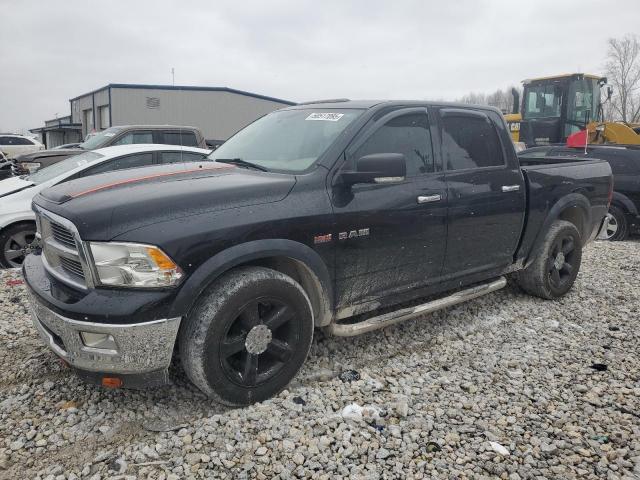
x: 555, y: 107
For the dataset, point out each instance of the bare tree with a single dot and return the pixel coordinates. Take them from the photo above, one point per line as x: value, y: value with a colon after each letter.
x: 623, y: 74
x: 502, y: 99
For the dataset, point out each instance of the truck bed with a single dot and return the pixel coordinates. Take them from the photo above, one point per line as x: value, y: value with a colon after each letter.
x: 549, y: 179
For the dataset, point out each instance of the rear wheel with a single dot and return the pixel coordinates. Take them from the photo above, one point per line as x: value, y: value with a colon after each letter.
x: 554, y: 270
x: 616, y: 227
x: 247, y: 336
x: 17, y: 242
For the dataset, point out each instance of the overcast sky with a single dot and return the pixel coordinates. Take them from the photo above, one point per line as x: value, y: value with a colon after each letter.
x: 297, y: 50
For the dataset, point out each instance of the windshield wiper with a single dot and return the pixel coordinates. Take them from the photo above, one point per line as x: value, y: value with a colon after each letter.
x: 241, y: 163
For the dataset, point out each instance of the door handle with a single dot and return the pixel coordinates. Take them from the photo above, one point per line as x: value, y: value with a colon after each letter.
x: 429, y: 198
x: 510, y: 188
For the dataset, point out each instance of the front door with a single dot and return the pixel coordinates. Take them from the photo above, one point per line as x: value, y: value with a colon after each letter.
x: 485, y: 193
x: 390, y: 237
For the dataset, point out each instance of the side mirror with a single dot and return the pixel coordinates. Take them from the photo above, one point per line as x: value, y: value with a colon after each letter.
x: 609, y: 92
x: 377, y: 168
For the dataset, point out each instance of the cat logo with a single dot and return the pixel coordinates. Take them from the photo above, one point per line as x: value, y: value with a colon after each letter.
x: 362, y: 232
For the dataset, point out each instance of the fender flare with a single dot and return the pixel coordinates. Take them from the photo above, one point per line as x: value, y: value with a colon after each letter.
x: 626, y: 202
x: 227, y: 259
x: 572, y: 200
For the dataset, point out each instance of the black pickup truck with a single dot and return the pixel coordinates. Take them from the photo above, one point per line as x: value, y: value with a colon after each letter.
x: 345, y: 215
x: 623, y: 217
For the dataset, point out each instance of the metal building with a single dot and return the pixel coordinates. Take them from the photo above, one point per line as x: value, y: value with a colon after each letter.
x: 218, y: 111
x: 58, y: 131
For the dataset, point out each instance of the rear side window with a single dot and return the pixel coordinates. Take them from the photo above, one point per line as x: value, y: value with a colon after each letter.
x: 120, y: 163
x: 186, y: 139
x: 470, y: 142
x: 179, y: 157
x: 407, y: 134
x: 135, y: 137
x: 15, y: 141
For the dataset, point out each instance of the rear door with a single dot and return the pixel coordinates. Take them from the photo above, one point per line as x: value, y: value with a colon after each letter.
x: 486, y: 191
x: 387, y: 240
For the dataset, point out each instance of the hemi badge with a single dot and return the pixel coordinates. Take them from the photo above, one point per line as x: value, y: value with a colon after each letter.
x: 322, y: 238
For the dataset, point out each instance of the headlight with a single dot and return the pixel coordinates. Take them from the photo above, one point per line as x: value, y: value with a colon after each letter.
x: 133, y: 265
x: 31, y: 166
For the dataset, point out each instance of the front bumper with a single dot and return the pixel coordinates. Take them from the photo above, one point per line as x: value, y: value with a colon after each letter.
x: 140, y: 348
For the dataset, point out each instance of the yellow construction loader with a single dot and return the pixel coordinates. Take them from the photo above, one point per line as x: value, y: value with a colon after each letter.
x: 554, y: 108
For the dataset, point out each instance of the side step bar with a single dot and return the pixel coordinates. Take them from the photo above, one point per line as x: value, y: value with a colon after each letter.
x: 381, y: 321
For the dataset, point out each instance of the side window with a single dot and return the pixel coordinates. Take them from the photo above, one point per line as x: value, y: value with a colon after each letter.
x: 5, y: 141
x: 20, y: 141
x: 470, y: 142
x: 180, y: 157
x: 120, y: 163
x: 135, y: 137
x: 407, y: 134
x: 186, y: 139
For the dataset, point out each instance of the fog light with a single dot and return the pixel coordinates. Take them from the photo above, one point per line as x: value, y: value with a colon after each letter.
x: 98, y: 340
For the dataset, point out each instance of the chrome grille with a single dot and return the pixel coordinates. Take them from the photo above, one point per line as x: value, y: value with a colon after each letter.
x: 72, y: 266
x: 62, y: 249
x: 62, y: 235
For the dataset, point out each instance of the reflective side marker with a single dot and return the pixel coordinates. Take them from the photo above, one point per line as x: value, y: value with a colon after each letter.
x: 111, y: 382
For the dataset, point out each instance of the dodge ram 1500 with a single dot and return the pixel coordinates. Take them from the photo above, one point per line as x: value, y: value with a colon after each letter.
x: 342, y: 215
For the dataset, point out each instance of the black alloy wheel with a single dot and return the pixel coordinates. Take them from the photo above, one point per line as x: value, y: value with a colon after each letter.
x: 259, y: 342
x: 560, y: 262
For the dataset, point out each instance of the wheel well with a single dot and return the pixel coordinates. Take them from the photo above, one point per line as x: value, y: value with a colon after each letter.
x: 15, y: 224
x: 302, y: 274
x: 575, y: 215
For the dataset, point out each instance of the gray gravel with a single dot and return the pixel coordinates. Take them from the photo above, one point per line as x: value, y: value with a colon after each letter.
x: 500, y: 387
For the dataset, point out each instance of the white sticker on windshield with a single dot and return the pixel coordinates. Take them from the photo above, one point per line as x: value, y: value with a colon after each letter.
x: 109, y: 134
x: 327, y: 117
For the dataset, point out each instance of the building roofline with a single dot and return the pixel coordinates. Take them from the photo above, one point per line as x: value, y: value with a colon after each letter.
x: 184, y: 87
x: 58, y: 118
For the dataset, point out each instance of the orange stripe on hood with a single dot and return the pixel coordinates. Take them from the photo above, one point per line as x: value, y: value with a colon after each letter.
x: 146, y: 177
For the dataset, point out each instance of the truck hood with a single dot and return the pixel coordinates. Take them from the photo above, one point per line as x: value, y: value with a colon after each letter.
x: 33, y: 156
x: 107, y: 205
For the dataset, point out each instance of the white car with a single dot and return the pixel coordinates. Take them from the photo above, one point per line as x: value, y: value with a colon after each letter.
x: 14, y: 145
x: 17, y: 220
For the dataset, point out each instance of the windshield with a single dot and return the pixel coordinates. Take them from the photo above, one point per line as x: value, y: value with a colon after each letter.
x: 99, y: 139
x: 47, y: 173
x: 542, y: 101
x: 287, y: 140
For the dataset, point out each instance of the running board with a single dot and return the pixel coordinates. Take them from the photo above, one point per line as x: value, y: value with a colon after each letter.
x: 381, y: 321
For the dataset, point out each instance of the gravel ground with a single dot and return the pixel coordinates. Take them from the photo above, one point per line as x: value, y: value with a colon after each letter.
x: 501, y: 387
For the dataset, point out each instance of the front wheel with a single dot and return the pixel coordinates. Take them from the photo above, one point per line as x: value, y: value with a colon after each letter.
x: 17, y: 242
x: 554, y: 270
x: 247, y: 336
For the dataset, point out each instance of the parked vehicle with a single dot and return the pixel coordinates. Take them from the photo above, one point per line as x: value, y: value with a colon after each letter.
x: 623, y: 217
x: 5, y: 166
x: 67, y: 146
x: 122, y: 135
x: 17, y: 219
x: 13, y: 145
x: 341, y: 215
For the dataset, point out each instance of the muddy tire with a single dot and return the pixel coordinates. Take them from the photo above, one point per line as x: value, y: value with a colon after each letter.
x: 16, y: 242
x: 247, y: 336
x: 554, y: 270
